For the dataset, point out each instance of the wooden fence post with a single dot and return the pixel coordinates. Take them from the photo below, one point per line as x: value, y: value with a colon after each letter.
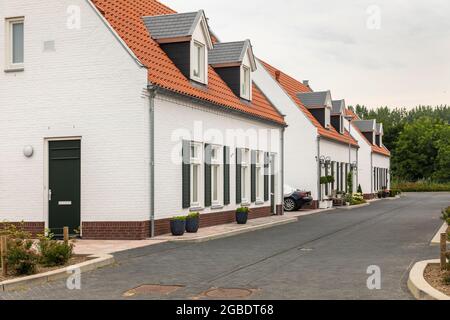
x: 443, y: 251
x: 4, y: 252
x: 66, y: 235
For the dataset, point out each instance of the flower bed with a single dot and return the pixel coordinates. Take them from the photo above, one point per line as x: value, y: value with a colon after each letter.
x: 438, y: 279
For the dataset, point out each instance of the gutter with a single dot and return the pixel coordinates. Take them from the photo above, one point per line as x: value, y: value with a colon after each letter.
x: 319, y: 191
x: 151, y: 99
x: 282, y: 170
x: 371, y: 172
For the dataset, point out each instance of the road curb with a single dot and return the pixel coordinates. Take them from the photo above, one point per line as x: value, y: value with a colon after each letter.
x: 233, y: 232
x: 419, y: 287
x: 98, y: 261
x: 437, y: 237
x: 354, y: 207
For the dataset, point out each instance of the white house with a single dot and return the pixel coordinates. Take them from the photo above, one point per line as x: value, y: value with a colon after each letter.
x: 317, y: 139
x: 117, y: 116
x: 374, y: 158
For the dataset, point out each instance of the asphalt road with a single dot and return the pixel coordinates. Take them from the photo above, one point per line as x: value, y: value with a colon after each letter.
x: 323, y: 256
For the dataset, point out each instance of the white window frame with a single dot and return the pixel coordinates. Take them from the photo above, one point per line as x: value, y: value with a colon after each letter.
x: 246, y: 80
x: 196, y: 160
x: 217, y: 183
x: 199, y: 60
x: 10, y: 65
x: 259, y: 172
x: 245, y: 177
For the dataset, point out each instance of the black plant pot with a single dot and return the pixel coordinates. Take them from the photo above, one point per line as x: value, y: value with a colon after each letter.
x: 192, y: 225
x: 241, y: 217
x: 177, y: 227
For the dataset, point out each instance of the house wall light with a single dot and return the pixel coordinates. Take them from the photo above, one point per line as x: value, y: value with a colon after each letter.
x: 28, y: 151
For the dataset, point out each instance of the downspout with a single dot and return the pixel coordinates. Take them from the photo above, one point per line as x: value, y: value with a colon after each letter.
x: 371, y: 173
x: 357, y: 169
x: 151, y: 98
x: 282, y: 170
x: 319, y: 191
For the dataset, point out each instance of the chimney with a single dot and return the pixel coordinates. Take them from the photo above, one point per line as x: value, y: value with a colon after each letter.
x: 277, y: 75
x: 306, y: 83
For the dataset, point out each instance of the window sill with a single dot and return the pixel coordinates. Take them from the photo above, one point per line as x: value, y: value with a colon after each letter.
x: 259, y: 202
x: 245, y: 204
x: 12, y: 70
x: 217, y: 207
x: 196, y: 209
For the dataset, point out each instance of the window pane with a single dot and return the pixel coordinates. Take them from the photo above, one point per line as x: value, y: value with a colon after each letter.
x: 195, y: 183
x: 258, y: 184
x: 198, y: 60
x: 17, y: 45
x: 215, y: 183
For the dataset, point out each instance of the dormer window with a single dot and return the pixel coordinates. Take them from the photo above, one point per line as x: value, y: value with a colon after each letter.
x: 235, y: 62
x: 198, y: 65
x: 319, y: 105
x: 185, y: 38
x: 338, y: 115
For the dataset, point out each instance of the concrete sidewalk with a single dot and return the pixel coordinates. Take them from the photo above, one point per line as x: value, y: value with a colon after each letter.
x: 88, y: 247
x: 228, y: 230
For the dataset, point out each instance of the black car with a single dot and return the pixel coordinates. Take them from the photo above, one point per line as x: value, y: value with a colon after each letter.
x: 295, y: 199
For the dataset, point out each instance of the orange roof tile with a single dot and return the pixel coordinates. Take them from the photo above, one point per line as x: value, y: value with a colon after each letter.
x: 125, y: 16
x: 292, y: 88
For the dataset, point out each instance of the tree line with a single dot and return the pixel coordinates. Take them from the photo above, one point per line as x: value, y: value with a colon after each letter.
x: 419, y: 140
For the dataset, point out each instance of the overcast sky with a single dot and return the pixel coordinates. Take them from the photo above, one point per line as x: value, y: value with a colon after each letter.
x: 377, y: 53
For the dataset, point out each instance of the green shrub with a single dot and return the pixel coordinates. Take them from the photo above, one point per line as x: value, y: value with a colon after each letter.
x: 15, y: 231
x: 243, y: 209
x: 54, y: 253
x: 193, y: 215
x: 179, y: 218
x: 422, y: 186
x: 324, y: 180
x: 447, y: 279
x: 330, y: 179
x: 394, y: 192
x: 350, y: 182
x: 21, y: 258
x: 446, y: 215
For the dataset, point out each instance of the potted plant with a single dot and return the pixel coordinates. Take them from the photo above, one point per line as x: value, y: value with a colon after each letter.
x: 242, y: 215
x: 178, y: 225
x: 193, y: 222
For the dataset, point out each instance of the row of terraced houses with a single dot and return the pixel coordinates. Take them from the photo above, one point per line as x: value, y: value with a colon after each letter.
x: 120, y: 114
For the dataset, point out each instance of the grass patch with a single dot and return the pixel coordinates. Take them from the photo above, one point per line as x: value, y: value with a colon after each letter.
x: 422, y: 186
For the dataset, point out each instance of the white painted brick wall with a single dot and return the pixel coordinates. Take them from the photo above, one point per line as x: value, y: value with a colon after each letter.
x: 171, y: 115
x: 89, y: 87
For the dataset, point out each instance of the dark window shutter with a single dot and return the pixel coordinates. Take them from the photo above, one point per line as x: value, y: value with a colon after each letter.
x: 326, y: 185
x: 341, y: 180
x: 346, y: 178
x: 186, y: 174
x: 238, y: 176
x: 226, y: 175
x: 266, y: 176
x: 332, y: 174
x: 207, y: 175
x: 253, y: 176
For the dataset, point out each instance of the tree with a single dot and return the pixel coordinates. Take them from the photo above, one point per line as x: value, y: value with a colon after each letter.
x: 417, y: 149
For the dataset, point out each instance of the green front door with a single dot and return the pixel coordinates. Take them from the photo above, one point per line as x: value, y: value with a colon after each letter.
x: 64, y: 186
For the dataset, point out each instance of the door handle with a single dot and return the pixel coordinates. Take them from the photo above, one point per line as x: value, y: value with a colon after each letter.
x: 49, y: 194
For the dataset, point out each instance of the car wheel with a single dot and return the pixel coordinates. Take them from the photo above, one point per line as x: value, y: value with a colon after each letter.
x: 289, y: 204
